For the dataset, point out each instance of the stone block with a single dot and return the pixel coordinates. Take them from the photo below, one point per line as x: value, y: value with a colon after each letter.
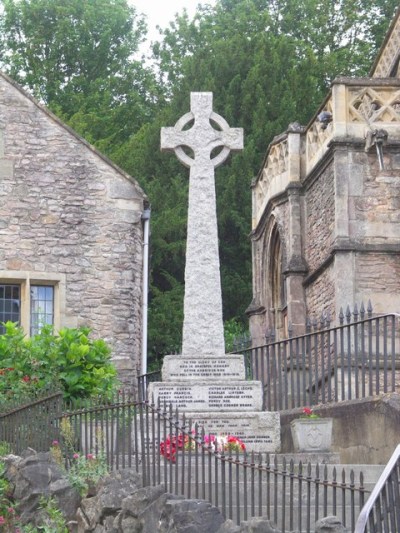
x: 184, y: 368
x: 209, y: 396
x: 6, y: 168
x: 123, y: 190
x: 261, y: 432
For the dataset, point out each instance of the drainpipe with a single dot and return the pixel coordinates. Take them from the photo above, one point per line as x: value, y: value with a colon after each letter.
x: 145, y: 294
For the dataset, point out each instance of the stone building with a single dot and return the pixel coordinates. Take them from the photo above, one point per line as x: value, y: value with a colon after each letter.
x: 326, y: 205
x: 71, y: 231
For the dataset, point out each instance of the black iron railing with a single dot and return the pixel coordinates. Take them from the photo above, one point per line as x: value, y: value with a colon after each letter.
x: 144, y: 380
x: 168, y: 449
x: 243, y: 485
x: 353, y: 360
x: 33, y: 424
x: 381, y: 512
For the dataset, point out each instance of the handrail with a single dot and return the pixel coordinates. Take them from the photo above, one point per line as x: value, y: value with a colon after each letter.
x: 366, y: 510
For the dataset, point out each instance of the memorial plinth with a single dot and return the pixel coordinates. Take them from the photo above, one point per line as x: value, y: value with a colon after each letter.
x: 204, y: 383
x: 260, y: 431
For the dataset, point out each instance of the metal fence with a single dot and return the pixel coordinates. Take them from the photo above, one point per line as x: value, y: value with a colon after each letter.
x: 168, y: 449
x: 357, y: 359
x: 243, y: 485
x: 381, y: 513
x: 32, y: 424
x: 144, y: 380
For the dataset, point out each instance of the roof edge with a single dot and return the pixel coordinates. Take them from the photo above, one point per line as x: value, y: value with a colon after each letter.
x: 385, y: 41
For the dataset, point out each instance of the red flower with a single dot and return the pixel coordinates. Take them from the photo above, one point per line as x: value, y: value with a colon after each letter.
x: 26, y: 379
x: 307, y: 411
x: 170, y: 446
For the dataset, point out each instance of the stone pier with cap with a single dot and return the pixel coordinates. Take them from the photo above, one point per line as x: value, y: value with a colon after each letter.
x: 209, y: 386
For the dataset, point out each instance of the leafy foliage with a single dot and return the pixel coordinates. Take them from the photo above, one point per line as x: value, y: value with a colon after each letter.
x: 268, y: 64
x: 79, y: 364
x: 77, y: 58
x: 84, y: 470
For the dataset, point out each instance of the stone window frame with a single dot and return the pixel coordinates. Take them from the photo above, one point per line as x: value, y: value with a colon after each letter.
x: 27, y: 278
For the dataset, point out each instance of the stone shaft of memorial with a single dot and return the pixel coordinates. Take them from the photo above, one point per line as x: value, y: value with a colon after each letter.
x: 202, y: 324
x: 203, y: 331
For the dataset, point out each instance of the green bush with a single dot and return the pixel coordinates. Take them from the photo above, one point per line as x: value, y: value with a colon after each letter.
x: 233, y: 331
x: 79, y: 365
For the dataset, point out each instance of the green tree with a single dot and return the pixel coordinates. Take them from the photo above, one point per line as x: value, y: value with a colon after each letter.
x: 77, y: 58
x: 268, y: 63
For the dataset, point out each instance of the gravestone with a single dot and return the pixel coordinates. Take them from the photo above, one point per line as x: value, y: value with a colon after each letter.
x: 204, y: 382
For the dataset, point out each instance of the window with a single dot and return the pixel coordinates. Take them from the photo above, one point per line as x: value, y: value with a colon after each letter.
x: 42, y: 307
x: 277, y: 285
x: 276, y: 272
x: 10, y: 304
x: 32, y: 299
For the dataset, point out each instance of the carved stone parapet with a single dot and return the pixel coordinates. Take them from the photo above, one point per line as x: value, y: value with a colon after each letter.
x: 318, y: 135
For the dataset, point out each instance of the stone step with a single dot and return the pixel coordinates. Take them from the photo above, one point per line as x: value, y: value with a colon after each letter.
x: 371, y: 473
x: 321, y: 458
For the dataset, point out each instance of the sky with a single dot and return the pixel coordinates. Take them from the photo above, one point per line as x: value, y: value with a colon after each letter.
x: 161, y: 12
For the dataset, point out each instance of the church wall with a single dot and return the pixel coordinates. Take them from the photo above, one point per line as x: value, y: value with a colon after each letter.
x: 319, y: 219
x: 320, y: 295
x: 374, y: 204
x: 68, y: 215
x: 374, y: 198
x: 378, y: 280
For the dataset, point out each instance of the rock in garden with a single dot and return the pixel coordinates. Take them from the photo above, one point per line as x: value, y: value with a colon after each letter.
x: 329, y: 524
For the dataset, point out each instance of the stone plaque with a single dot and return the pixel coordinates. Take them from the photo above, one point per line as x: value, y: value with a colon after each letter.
x: 194, y: 396
x: 261, y: 432
x: 228, y: 367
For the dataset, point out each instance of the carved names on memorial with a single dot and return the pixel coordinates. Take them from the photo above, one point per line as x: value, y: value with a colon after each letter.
x: 242, y: 396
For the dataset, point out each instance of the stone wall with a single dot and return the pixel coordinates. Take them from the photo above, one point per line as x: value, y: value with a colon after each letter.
x: 319, y: 218
x: 378, y: 280
x: 66, y: 210
x: 364, y: 431
x: 320, y: 295
x: 374, y: 199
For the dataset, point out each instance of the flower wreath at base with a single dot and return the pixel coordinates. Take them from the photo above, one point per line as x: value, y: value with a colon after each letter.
x: 182, y: 442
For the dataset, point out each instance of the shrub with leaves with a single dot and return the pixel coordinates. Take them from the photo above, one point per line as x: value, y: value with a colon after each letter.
x: 80, y: 365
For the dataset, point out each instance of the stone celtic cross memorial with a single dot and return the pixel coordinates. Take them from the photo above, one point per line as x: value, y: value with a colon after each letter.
x: 209, y: 386
x: 202, y: 324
